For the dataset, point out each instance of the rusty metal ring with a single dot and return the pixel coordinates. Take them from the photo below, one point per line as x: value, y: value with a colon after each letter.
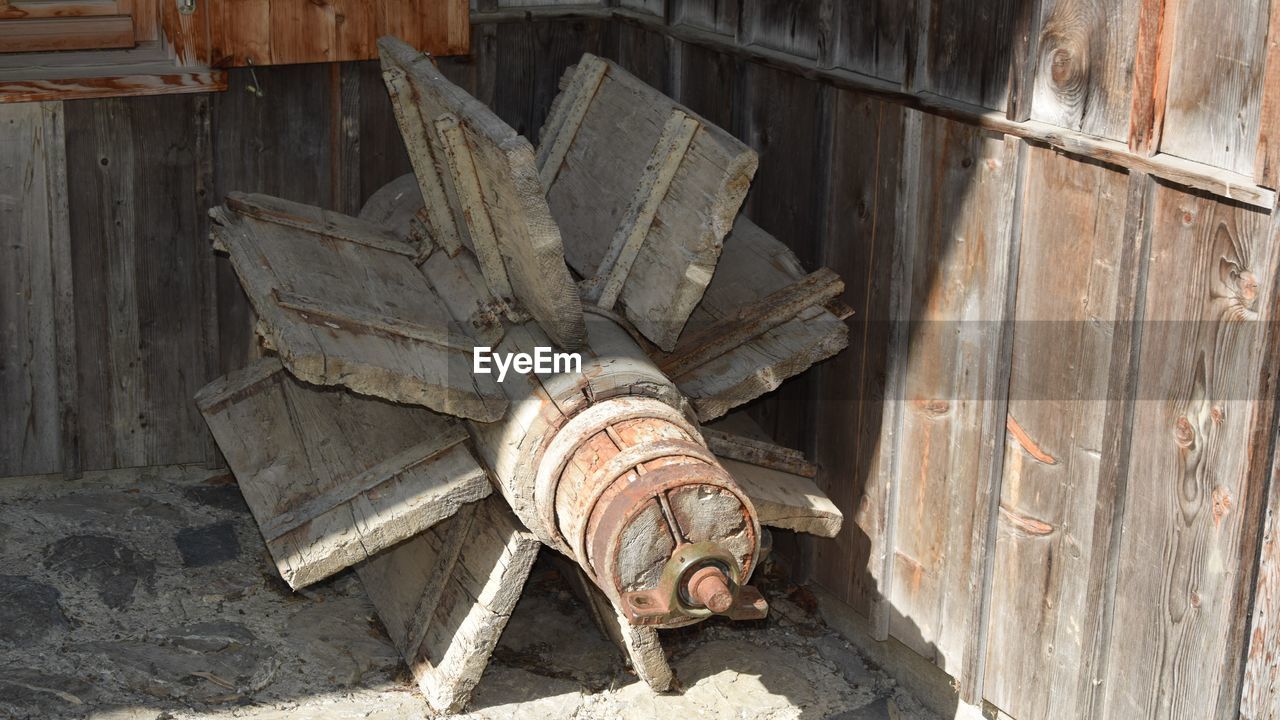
x: 551, y: 462
x: 619, y: 514
x: 620, y: 464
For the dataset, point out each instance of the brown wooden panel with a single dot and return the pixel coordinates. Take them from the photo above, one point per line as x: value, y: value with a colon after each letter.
x: 1215, y: 82
x: 866, y: 156
x: 954, y: 254
x: 137, y: 212
x: 303, y: 31
x: 1211, y: 273
x: 1153, y: 47
x: 242, y: 34
x: 111, y: 85
x: 1046, y: 577
x: 266, y: 32
x: 188, y: 34
x: 1266, y: 162
x: 66, y: 33
x: 1083, y: 71
x: 21, y: 9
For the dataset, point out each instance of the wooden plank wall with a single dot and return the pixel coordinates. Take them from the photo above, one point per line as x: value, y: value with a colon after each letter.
x: 1052, y: 431
x: 115, y: 309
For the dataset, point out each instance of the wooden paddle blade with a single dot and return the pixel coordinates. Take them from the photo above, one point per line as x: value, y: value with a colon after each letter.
x: 480, y: 186
x: 777, y: 479
x: 342, y: 302
x: 644, y: 191
x: 446, y: 595
x: 333, y: 477
x: 761, y: 321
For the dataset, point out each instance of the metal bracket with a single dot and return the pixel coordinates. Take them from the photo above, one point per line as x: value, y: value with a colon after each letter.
x: 678, y: 595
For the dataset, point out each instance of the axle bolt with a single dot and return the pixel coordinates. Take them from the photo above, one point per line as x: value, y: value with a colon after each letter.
x: 707, y: 586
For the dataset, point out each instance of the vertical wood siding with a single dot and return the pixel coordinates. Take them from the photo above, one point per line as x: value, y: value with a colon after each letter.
x: 1003, y: 432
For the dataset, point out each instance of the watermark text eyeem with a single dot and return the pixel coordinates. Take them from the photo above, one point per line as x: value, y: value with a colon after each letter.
x: 543, y: 360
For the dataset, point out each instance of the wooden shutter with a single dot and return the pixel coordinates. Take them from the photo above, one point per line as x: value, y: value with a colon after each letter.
x: 45, y: 25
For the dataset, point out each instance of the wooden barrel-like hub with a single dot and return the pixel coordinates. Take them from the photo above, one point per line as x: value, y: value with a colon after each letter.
x: 632, y: 483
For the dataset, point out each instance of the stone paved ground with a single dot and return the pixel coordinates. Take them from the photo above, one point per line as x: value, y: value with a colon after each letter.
x: 148, y: 594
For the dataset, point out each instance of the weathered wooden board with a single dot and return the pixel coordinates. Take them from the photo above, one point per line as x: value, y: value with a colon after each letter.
x: 755, y: 267
x: 956, y: 254
x: 1266, y: 161
x: 342, y: 302
x: 786, y: 501
x: 446, y: 595
x: 781, y: 116
x: 849, y: 406
x: 279, y: 32
x: 457, y: 280
x: 705, y: 81
x: 332, y: 477
x: 784, y: 118
x: 1153, y: 47
x: 137, y: 183
x: 38, y: 372
x: 519, y: 66
x: 784, y: 25
x: 1208, y: 296
x: 481, y: 188
x: 874, y: 37
x: 605, y: 111
x: 381, y: 154
x: 714, y: 15
x: 1215, y: 82
x: 643, y: 53
x: 1083, y: 65
x: 771, y: 476
x: 1260, y: 699
x: 951, y: 61
x: 1054, y: 520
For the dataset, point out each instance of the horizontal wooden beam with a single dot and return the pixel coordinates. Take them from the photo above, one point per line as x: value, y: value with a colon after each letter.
x: 1181, y: 171
x: 85, y: 8
x: 111, y: 86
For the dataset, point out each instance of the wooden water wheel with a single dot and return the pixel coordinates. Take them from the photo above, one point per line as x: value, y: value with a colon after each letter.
x: 365, y: 437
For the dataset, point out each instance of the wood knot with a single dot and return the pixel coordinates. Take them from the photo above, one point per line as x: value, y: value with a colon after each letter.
x: 1217, y: 415
x: 1069, y: 76
x: 933, y: 408
x: 1247, y: 286
x: 1184, y: 433
x: 1221, y: 504
x: 1195, y: 599
x: 1188, y: 217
